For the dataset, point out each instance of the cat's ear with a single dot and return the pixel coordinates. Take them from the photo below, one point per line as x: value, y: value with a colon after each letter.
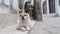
x: 26, y: 11
x: 19, y: 11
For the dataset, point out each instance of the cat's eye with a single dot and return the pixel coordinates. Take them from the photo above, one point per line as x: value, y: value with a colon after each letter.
x: 24, y: 15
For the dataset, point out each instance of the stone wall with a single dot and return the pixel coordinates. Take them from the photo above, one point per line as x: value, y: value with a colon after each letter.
x: 37, y: 5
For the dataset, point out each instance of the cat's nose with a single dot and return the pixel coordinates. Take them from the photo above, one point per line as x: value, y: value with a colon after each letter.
x: 23, y: 18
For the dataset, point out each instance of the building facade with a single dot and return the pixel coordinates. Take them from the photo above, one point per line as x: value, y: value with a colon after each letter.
x: 52, y: 7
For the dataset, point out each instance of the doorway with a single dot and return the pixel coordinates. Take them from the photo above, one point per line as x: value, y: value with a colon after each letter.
x: 51, y: 6
x: 44, y: 7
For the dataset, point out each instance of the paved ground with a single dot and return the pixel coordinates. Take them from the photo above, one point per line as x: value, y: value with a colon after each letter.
x: 12, y: 29
x: 49, y: 25
x: 4, y: 9
x: 7, y: 20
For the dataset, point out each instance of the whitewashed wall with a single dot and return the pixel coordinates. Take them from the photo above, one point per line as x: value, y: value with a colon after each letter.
x: 0, y: 1
x: 25, y: 1
x: 15, y: 4
x: 7, y: 2
x: 57, y: 7
x: 47, y: 1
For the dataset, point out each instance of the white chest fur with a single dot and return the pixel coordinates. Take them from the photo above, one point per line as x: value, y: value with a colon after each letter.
x: 26, y: 22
